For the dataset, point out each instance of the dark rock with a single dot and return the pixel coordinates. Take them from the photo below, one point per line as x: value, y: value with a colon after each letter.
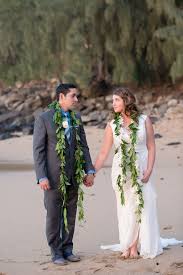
x: 3, y: 110
x: 5, y: 135
x: 28, y: 130
x: 172, y: 102
x: 154, y: 119
x: 7, y: 116
x: 173, y: 143
x: 95, y: 123
x: 45, y: 98
x: 29, y: 119
x: 176, y: 110
x: 88, y: 110
x: 16, y: 125
x: 13, y: 98
x: 16, y: 104
x: 157, y: 136
x: 108, y: 98
x: 162, y: 109
x: 95, y: 116
x: 99, y: 106
x: 109, y: 106
x: 102, y: 125
x: 20, y: 105
x: 85, y: 119
x: 148, y: 97
x: 104, y: 114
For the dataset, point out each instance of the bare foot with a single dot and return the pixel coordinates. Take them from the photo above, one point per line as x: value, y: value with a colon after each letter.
x: 125, y: 255
x: 134, y: 253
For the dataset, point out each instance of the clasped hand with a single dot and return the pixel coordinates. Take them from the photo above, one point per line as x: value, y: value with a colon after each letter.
x: 89, y: 180
x: 45, y: 184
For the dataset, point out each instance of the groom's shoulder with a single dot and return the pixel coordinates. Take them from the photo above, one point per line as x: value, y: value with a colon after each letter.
x: 78, y: 115
x: 46, y: 114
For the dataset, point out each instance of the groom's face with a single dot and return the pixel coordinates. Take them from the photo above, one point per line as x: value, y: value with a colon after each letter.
x: 69, y: 101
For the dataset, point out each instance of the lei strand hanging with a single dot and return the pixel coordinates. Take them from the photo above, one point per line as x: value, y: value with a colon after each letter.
x: 79, y: 160
x: 129, y: 164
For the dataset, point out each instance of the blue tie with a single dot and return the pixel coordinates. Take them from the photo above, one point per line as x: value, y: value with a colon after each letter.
x: 67, y: 130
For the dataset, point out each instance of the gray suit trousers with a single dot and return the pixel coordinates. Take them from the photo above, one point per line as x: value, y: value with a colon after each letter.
x: 59, y: 240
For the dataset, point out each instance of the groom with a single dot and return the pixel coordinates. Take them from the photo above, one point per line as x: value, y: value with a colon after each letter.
x: 47, y: 167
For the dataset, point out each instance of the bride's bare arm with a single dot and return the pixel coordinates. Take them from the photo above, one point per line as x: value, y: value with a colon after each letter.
x: 105, y: 149
x: 150, y: 141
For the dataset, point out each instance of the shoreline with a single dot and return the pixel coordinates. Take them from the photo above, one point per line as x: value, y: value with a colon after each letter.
x: 16, y: 166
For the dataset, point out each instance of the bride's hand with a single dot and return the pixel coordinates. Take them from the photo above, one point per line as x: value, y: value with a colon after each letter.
x: 146, y: 176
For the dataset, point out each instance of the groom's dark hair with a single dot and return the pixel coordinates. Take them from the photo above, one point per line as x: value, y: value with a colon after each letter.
x: 64, y: 88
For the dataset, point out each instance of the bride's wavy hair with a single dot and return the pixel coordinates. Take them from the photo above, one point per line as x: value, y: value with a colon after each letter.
x: 129, y: 102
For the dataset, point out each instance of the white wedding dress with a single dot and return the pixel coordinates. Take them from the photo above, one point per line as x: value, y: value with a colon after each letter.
x: 149, y: 242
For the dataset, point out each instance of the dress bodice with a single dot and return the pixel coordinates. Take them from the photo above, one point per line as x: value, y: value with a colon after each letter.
x: 125, y: 134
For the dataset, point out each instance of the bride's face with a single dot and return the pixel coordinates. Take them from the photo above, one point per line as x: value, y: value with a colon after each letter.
x: 118, y: 104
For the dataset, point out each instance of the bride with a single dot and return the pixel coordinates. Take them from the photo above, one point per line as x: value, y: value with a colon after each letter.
x: 132, y: 176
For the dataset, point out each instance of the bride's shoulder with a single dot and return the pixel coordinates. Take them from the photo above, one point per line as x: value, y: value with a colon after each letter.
x: 143, y: 117
x: 111, y: 123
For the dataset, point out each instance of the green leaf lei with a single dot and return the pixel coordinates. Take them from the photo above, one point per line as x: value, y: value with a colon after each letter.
x: 79, y: 160
x: 128, y: 164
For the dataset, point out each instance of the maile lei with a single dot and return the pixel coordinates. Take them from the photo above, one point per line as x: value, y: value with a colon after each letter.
x: 129, y: 164
x: 79, y: 159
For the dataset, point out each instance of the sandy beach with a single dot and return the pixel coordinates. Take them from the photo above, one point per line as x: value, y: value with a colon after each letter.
x: 23, y: 247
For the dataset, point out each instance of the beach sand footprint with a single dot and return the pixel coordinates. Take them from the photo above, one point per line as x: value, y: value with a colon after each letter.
x: 176, y: 268
x: 178, y: 265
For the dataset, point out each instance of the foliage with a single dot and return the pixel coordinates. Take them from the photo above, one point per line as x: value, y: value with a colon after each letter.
x: 91, y: 41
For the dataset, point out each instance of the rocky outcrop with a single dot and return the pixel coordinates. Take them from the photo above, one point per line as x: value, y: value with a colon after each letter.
x: 20, y: 105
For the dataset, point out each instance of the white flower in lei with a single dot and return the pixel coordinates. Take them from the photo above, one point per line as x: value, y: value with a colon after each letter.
x: 65, y: 124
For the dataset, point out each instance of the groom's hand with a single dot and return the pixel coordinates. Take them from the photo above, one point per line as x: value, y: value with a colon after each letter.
x: 88, y: 180
x: 44, y: 184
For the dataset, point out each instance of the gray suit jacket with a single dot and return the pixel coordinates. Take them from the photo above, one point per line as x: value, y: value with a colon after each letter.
x: 47, y: 163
